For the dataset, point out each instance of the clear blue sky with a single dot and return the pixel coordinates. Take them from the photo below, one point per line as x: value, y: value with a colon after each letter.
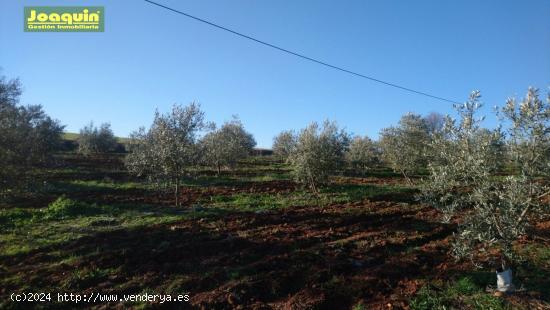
x: 150, y: 58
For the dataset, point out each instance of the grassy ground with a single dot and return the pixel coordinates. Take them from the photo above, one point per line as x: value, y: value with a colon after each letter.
x: 250, y: 238
x: 72, y: 136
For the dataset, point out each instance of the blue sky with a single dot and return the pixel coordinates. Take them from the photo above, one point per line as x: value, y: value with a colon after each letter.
x: 150, y: 58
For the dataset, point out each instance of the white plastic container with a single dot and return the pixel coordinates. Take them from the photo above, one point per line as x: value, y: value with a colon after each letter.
x: 504, y: 281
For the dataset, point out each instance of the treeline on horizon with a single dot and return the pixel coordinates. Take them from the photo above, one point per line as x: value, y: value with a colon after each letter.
x: 184, y: 138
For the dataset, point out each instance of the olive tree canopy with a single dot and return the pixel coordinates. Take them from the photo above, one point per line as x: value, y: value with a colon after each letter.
x: 93, y: 140
x: 320, y: 151
x: 462, y: 178
x: 166, y: 151
x: 225, y: 146
x: 363, y: 153
x: 28, y: 136
x: 404, y: 147
x: 284, y: 144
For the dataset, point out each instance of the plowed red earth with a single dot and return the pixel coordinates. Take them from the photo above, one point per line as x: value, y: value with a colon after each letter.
x: 379, y: 253
x: 299, y: 258
x: 375, y: 253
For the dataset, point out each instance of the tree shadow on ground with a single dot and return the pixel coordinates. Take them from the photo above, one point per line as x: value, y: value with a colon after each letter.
x: 358, y: 192
x: 246, y: 259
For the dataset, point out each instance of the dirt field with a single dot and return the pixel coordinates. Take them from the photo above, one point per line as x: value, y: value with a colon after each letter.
x: 249, y: 239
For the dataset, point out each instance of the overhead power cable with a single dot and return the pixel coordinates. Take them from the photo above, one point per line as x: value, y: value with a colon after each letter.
x: 300, y: 55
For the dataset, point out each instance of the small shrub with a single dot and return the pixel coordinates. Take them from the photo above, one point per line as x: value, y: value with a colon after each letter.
x: 64, y: 207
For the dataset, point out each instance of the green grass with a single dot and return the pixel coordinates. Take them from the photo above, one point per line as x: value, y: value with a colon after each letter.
x: 226, y: 180
x: 377, y: 172
x: 463, y: 293
x: 81, y: 279
x: 335, y: 194
x: 533, y: 271
x: 95, y: 186
x: 65, y: 219
x: 72, y: 136
x: 258, y: 202
x: 539, y: 254
x: 64, y: 207
x: 15, y: 217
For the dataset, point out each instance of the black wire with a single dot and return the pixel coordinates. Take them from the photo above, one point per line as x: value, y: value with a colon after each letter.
x: 301, y: 56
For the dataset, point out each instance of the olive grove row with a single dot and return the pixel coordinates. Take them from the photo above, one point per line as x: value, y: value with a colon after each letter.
x: 499, y: 176
x: 407, y: 148
x: 494, y: 181
x: 171, y: 148
x: 165, y: 153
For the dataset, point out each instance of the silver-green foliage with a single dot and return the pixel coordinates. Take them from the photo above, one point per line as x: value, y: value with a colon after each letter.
x: 529, y: 133
x: 462, y: 180
x: 93, y: 140
x: 320, y: 151
x: 363, y: 153
x: 226, y: 145
x: 284, y: 144
x: 166, y: 151
x: 496, y: 152
x: 27, y: 136
x: 405, y: 147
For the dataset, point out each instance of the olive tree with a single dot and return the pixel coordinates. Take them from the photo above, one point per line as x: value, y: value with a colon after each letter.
x: 362, y: 153
x: 494, y: 212
x: 166, y: 151
x: 496, y: 153
x: 529, y: 133
x: 28, y: 136
x: 319, y: 152
x: 284, y: 144
x: 404, y: 147
x: 226, y: 145
x: 93, y: 140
